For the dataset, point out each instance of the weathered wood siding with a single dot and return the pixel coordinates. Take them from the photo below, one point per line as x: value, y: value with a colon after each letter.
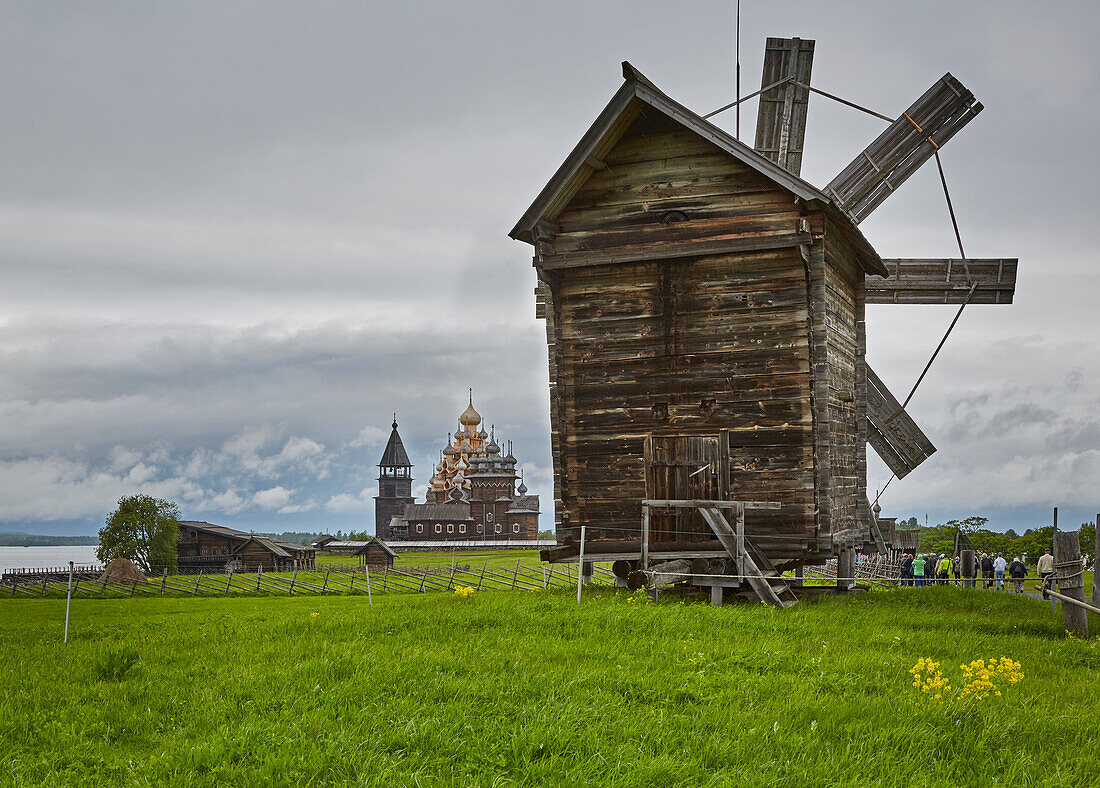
x: 845, y: 342
x: 690, y: 345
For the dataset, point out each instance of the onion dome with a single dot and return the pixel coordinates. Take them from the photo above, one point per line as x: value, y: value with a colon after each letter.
x: 470, y: 417
x: 449, y: 450
x: 522, y: 489
x: 876, y: 509
x: 482, y: 434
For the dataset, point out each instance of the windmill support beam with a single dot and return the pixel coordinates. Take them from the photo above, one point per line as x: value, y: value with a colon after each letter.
x: 892, y: 433
x: 944, y: 281
x: 903, y: 147
x: 781, y: 118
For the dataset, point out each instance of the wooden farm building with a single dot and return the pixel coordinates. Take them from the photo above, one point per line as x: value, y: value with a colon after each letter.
x: 704, y: 312
x: 376, y: 554
x: 206, y: 546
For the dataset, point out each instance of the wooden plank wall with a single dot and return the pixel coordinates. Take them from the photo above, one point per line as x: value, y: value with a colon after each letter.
x: 681, y: 346
x: 845, y: 338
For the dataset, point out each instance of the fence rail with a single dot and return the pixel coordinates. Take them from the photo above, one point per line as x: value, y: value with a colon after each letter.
x: 334, y: 580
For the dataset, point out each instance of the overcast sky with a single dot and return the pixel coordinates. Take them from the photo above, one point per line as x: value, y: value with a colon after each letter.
x: 236, y: 237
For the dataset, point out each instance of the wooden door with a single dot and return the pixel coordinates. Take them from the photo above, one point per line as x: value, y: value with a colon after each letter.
x: 682, y: 468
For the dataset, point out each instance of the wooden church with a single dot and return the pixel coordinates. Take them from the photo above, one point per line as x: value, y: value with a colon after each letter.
x: 704, y: 312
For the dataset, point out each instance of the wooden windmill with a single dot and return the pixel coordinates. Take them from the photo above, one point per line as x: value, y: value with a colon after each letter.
x: 709, y: 394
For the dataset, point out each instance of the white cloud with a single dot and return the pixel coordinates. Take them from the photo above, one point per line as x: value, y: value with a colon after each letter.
x: 370, y: 436
x: 274, y: 498
x: 344, y: 502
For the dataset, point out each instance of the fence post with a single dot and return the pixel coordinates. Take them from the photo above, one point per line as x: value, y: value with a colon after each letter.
x: 580, y: 557
x: 451, y: 582
x: 198, y: 578
x: 1096, y: 565
x: 294, y: 577
x: 163, y: 579
x: 370, y: 601
x: 228, y: 580
x: 351, y: 582
x: 479, y: 579
x: 385, y: 577
x: 133, y: 585
x: 515, y: 575
x: 259, y: 571
x: 68, y: 602
x: 1070, y: 572
x: 325, y: 586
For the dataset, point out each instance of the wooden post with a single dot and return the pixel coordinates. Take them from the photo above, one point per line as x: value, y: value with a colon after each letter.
x: 800, y: 576
x: 370, y: 599
x: 966, y: 559
x: 1096, y: 565
x: 163, y: 579
x: 645, y: 550
x: 423, y: 577
x: 259, y: 571
x: 1071, y: 580
x: 228, y: 580
x: 325, y: 586
x: 480, y: 579
x: 451, y: 582
x: 133, y: 585
x: 845, y: 569
x: 198, y: 578
x: 293, y: 578
x: 645, y: 539
x: 385, y: 577
x: 68, y: 602
x: 351, y: 582
x: 516, y: 574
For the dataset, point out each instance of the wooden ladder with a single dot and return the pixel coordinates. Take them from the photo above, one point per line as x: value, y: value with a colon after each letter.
x: 752, y: 563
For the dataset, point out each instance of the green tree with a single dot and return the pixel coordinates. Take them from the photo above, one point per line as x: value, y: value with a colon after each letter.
x: 144, y: 530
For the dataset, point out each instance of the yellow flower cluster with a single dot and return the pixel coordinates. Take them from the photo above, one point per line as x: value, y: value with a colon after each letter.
x: 928, y: 678
x: 464, y: 591
x: 640, y: 596
x: 982, y: 677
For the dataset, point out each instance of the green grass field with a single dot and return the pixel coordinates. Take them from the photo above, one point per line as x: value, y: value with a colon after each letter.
x: 512, y: 688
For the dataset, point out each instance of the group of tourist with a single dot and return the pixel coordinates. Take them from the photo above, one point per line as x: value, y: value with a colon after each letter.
x: 932, y: 569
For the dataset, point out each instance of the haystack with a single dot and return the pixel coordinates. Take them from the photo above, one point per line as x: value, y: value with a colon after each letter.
x: 122, y: 570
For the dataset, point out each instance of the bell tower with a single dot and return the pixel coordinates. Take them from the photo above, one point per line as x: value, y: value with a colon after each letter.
x: 394, y: 485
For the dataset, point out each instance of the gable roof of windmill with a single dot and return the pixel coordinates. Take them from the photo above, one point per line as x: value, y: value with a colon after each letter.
x: 636, y: 92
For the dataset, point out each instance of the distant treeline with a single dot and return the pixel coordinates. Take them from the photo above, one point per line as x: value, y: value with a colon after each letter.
x: 1032, y: 542
x: 8, y: 539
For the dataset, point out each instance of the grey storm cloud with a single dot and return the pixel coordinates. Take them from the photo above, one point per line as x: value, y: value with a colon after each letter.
x: 235, y: 238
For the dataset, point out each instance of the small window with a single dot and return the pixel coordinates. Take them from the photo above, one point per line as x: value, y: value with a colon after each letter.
x: 438, y: 528
x: 420, y: 528
x: 480, y: 528
x: 489, y: 517
x: 515, y: 528
x: 450, y: 528
x: 462, y: 528
x: 498, y: 528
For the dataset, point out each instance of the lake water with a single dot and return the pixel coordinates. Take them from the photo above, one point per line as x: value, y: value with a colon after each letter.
x: 46, y: 557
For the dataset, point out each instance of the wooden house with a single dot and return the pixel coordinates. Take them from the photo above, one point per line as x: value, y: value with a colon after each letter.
x: 206, y: 546
x: 376, y: 554
x: 704, y: 316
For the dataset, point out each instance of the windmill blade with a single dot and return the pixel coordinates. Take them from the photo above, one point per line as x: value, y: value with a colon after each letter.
x: 906, y: 144
x: 944, y: 281
x: 781, y: 117
x: 893, y: 435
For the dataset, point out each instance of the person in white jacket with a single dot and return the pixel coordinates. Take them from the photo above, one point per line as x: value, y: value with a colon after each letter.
x: 999, y: 566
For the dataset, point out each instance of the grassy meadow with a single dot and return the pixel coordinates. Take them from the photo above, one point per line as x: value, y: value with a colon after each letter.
x: 514, y: 688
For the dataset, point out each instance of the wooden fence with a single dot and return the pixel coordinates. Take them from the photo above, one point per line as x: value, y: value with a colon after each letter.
x: 334, y: 580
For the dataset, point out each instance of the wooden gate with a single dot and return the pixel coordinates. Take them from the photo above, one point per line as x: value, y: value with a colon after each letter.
x: 683, y: 468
